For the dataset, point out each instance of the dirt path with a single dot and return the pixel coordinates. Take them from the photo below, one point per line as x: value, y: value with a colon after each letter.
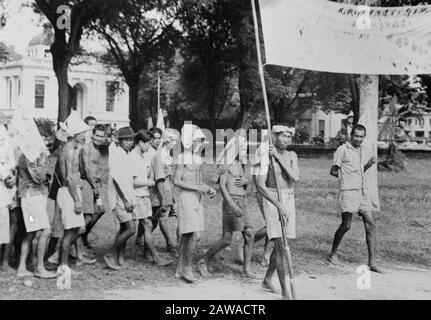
x: 401, y: 283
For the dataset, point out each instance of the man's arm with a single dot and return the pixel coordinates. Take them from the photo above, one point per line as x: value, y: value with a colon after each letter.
x: 67, y: 169
x: 291, y: 171
x: 86, y: 162
x: 334, y: 171
x: 370, y: 163
x: 225, y: 193
x: 140, y: 182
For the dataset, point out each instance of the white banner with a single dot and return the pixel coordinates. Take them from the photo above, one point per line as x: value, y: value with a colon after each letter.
x: 26, y: 136
x: 327, y: 36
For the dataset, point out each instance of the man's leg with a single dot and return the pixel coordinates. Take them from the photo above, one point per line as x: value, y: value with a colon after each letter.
x: 164, y: 228
x: 346, y: 221
x: 147, y: 225
x: 212, y: 251
x: 41, y: 272
x: 7, y: 248
x: 66, y: 243
x: 89, y: 225
x: 370, y: 234
x: 248, y: 251
x: 111, y: 259
x: 189, y: 246
x: 280, y: 256
x: 25, y: 249
x: 129, y: 231
x: 141, y: 231
x: 79, y: 247
x: 267, y: 281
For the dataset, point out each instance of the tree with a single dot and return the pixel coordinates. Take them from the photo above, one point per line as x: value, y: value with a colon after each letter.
x: 211, y: 51
x: 141, y: 36
x: 66, y: 40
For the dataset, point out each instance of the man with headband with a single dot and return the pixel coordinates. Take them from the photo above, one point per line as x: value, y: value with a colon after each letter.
x: 285, y: 170
x: 233, y: 186
x: 188, y: 179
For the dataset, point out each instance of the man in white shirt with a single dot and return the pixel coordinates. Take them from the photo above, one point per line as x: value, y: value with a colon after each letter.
x: 141, y: 183
x: 122, y: 177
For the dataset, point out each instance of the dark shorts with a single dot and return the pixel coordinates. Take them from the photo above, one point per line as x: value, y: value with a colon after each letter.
x: 231, y: 222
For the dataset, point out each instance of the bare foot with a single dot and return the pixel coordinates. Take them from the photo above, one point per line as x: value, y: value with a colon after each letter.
x: 162, y: 262
x: 7, y: 269
x: 84, y: 260
x: 111, y: 263
x: 174, y: 252
x: 24, y: 273
x: 203, y: 268
x: 373, y: 268
x: 44, y: 274
x: 53, y: 258
x: 121, y: 260
x: 333, y: 259
x: 188, y: 278
x: 250, y: 275
x: 268, y: 286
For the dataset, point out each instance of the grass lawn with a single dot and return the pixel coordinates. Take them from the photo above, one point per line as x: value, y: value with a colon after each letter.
x: 403, y: 231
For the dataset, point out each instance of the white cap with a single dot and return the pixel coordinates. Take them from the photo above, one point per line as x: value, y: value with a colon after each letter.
x: 73, y: 125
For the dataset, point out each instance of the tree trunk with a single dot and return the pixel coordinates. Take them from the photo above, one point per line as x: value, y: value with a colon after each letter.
x: 135, y: 121
x: 64, y: 93
x: 354, y: 90
x: 368, y: 110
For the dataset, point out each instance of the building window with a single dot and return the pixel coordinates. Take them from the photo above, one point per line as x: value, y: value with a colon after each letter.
x: 9, y: 93
x: 39, y: 94
x: 321, y: 128
x: 111, y: 90
x: 420, y: 134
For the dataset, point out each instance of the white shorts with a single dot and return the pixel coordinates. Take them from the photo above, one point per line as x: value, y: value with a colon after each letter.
x: 355, y: 201
x: 190, y: 212
x: 66, y: 204
x: 272, y: 218
x: 4, y: 225
x: 34, y: 212
x: 143, y: 208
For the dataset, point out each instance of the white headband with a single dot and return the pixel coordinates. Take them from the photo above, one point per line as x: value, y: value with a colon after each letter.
x: 281, y: 128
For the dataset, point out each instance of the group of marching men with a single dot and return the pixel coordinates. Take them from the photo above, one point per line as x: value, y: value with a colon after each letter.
x: 149, y: 186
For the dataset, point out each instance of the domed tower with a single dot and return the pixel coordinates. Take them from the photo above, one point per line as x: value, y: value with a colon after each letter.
x: 39, y: 46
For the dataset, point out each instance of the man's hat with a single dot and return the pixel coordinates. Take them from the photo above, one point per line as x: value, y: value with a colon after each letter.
x: 126, y: 132
x: 73, y: 125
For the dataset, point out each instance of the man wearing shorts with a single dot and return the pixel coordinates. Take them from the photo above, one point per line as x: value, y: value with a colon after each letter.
x: 188, y: 179
x: 33, y: 191
x: 122, y: 177
x: 141, y: 183
x: 156, y: 142
x: 162, y: 200
x: 89, y: 167
x: 69, y: 198
x: 285, y: 169
x: 351, y: 161
x: 235, y: 215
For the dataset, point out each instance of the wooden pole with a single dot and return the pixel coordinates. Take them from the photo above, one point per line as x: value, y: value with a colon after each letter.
x: 268, y: 120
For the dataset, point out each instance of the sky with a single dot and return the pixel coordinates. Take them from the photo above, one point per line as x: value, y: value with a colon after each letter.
x: 23, y: 24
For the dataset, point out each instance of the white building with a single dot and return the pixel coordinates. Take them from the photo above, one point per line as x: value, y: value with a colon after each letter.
x: 419, y: 128
x: 321, y: 124
x: 29, y: 82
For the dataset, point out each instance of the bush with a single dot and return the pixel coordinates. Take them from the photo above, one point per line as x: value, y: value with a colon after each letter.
x: 301, y: 136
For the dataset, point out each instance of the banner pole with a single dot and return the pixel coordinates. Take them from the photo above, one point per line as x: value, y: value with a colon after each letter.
x: 268, y: 120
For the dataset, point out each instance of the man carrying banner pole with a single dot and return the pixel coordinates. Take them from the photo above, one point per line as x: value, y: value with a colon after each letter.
x: 282, y: 214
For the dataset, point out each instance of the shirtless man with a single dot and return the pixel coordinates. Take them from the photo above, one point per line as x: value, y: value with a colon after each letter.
x: 89, y: 167
x: 351, y: 161
x: 188, y: 178
x: 235, y: 214
x: 69, y: 198
x: 287, y: 172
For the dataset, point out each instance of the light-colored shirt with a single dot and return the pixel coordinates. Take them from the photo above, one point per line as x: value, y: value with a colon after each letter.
x: 351, y: 162
x: 139, y: 170
x: 161, y: 170
x: 148, y: 157
x: 121, y: 171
